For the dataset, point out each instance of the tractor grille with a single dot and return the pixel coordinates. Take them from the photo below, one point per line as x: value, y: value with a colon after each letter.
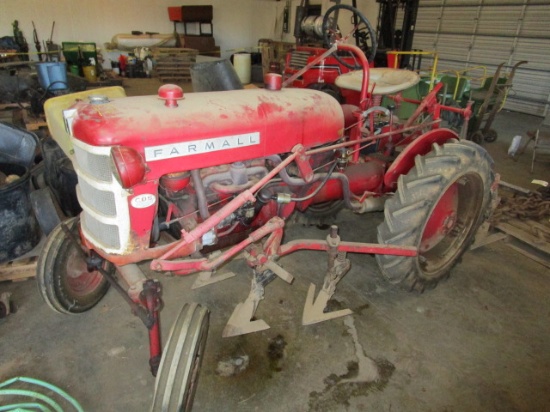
x: 101, y: 201
x: 298, y: 59
x: 94, y: 165
x: 107, y: 234
x: 105, y: 217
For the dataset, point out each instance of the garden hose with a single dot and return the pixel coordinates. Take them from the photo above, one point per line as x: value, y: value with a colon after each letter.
x: 33, y: 406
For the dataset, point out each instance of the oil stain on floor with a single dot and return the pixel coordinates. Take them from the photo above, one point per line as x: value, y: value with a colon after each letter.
x: 364, y: 376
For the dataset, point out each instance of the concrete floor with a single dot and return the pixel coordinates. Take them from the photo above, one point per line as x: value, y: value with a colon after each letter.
x: 478, y: 342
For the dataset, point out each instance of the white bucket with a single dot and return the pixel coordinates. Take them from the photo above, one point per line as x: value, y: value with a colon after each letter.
x: 243, y: 66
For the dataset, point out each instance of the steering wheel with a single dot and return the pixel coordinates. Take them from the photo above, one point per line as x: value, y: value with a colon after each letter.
x: 363, y: 33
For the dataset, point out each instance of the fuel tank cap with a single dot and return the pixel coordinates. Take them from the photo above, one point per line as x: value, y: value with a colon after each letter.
x: 98, y: 99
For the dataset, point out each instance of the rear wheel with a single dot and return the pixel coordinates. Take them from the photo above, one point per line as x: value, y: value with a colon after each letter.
x: 490, y: 135
x: 63, y: 278
x: 437, y: 208
x: 178, y: 373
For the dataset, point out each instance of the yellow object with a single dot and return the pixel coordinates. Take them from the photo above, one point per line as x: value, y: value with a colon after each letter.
x: 433, y: 54
x: 90, y: 73
x: 55, y: 106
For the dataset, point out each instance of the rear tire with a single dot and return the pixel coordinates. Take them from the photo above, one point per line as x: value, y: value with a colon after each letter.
x: 437, y: 208
x: 490, y: 136
x: 179, y: 368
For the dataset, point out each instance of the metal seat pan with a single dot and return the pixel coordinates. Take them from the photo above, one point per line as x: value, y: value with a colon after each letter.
x: 385, y: 80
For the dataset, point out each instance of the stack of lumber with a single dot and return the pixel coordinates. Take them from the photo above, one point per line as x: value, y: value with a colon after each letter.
x: 173, y: 64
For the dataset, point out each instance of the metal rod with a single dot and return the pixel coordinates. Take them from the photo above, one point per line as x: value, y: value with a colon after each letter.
x: 351, y: 247
x: 369, y: 139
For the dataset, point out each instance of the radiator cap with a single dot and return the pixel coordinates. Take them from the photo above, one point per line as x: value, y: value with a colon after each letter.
x: 170, y: 93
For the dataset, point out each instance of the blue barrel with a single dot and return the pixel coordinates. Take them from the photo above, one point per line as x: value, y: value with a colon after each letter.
x: 52, y: 75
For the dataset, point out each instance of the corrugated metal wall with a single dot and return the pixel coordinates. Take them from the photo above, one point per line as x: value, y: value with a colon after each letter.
x: 468, y: 33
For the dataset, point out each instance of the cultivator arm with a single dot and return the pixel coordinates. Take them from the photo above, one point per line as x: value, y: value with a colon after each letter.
x: 262, y: 249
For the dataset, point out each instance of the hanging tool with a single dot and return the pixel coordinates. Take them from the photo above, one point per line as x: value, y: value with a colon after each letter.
x: 286, y: 17
x: 51, y: 34
x: 36, y: 42
x: 48, y: 45
x: 20, y: 40
x: 47, y: 50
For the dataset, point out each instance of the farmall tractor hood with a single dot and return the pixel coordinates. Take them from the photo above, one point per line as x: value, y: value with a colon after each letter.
x: 194, y: 131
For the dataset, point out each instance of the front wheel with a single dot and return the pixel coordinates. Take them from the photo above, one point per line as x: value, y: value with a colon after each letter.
x: 65, y: 281
x: 437, y: 208
x: 179, y: 368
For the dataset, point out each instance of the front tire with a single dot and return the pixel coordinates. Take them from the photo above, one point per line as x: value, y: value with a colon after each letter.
x: 437, y: 208
x: 179, y: 368
x: 63, y: 278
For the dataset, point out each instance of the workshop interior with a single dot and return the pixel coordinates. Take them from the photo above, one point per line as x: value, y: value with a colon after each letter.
x: 274, y: 205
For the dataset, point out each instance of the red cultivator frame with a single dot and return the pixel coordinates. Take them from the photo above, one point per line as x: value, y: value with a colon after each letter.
x: 221, y: 172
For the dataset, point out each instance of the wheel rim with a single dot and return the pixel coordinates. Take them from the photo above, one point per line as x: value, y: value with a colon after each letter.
x: 449, y: 227
x: 79, y: 281
x: 62, y: 274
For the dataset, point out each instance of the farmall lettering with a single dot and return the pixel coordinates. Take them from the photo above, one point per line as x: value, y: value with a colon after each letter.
x: 275, y: 153
x: 201, y: 146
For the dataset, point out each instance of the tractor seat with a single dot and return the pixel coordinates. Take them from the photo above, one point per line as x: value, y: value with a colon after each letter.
x: 386, y: 80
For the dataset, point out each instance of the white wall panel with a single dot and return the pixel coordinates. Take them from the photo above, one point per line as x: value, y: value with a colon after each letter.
x: 238, y: 24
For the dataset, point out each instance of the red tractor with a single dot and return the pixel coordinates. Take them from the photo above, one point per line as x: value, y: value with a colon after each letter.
x: 222, y: 172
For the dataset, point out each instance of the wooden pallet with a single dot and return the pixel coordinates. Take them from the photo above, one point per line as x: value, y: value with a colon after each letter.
x: 18, y: 270
x: 173, y: 64
x: 21, y: 117
x: 528, y: 237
